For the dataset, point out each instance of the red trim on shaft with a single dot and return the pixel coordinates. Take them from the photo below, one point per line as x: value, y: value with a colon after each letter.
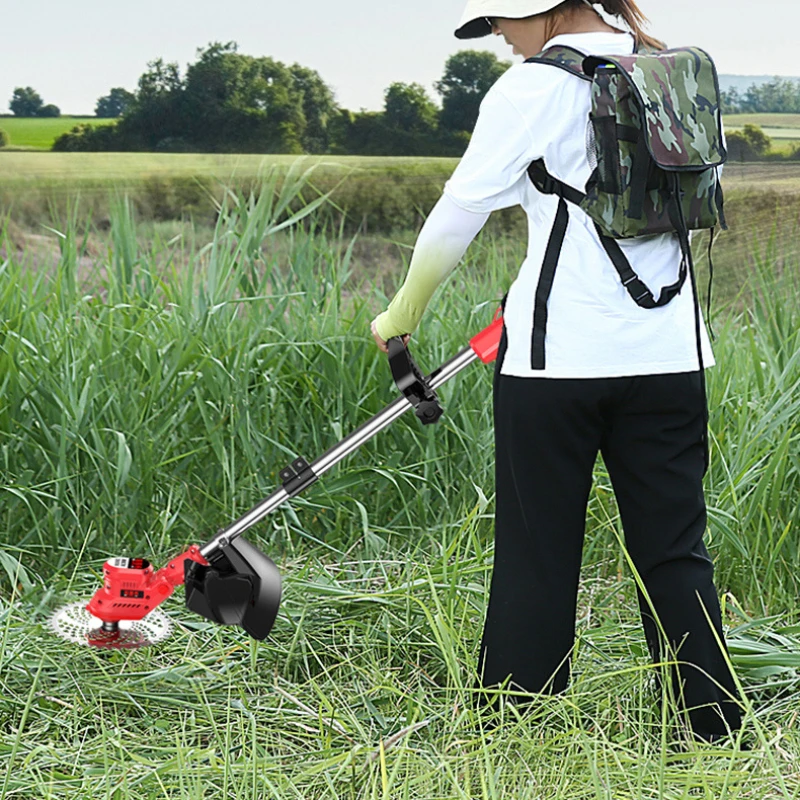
x: 487, y: 342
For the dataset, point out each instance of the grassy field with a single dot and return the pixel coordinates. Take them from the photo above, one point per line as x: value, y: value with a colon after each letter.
x: 779, y: 134
x: 789, y: 124
x: 377, y: 194
x: 384, y: 200
x: 39, y: 134
x: 128, y: 169
x: 75, y: 171
x: 154, y: 386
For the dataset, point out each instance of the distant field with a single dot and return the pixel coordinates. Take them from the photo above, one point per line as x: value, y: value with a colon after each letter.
x: 766, y: 176
x: 788, y: 123
x: 781, y: 134
x: 41, y: 133
x: 388, y: 193
x: 131, y: 169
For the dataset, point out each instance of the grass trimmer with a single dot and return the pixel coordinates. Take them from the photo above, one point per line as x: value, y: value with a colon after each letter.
x: 228, y: 580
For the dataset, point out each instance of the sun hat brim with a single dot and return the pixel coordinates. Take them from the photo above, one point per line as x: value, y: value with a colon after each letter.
x: 474, y: 29
x: 474, y: 23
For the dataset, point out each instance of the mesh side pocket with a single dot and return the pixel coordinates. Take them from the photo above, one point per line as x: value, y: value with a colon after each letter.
x: 591, y: 146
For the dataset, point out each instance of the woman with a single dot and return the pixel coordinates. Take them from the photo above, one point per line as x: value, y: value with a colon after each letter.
x: 618, y: 379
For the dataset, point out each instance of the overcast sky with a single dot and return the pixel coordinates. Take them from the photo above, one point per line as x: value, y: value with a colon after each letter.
x: 74, y: 51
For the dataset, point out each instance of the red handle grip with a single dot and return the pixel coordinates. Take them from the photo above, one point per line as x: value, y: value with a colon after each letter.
x: 487, y: 342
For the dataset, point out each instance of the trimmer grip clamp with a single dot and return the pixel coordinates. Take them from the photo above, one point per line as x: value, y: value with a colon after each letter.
x: 412, y: 384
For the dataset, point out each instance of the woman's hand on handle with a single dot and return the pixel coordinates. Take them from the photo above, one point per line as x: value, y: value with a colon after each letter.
x: 382, y: 345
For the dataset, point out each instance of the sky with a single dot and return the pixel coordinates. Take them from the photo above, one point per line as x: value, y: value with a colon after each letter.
x: 74, y: 52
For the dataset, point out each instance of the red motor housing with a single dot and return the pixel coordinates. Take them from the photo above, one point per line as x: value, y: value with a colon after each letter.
x: 131, y: 589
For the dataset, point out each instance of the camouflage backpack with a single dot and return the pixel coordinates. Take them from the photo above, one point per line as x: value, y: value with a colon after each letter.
x: 656, y: 132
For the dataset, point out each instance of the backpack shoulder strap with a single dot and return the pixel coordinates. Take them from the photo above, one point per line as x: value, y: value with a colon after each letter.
x: 566, y: 58
x: 548, y: 184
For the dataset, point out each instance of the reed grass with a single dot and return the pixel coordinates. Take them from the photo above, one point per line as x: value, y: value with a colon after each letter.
x: 147, y: 402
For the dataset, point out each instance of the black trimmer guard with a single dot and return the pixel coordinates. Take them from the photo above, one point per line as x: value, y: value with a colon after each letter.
x: 241, y: 586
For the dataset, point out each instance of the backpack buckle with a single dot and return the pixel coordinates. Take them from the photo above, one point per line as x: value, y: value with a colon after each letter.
x: 638, y: 287
x: 549, y: 185
x: 543, y: 180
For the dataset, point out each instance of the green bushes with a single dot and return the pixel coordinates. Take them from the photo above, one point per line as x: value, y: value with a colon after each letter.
x: 4, y: 138
x: 749, y: 144
x: 85, y: 138
x: 752, y: 144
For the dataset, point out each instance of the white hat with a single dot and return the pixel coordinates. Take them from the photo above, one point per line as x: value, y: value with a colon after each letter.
x: 474, y: 21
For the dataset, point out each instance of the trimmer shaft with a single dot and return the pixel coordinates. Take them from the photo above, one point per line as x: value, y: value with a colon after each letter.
x: 228, y: 580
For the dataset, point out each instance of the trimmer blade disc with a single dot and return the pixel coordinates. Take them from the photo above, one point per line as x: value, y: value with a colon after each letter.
x: 75, y: 624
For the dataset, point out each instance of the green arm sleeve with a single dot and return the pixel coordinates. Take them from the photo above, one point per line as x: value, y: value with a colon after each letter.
x: 440, y: 245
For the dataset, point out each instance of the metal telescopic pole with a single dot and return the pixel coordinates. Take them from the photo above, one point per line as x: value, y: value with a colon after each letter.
x: 348, y: 445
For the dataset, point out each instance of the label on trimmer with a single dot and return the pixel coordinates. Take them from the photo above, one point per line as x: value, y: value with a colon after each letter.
x: 129, y: 563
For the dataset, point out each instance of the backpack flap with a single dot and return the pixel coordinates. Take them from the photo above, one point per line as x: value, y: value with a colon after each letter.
x: 678, y: 95
x: 657, y: 125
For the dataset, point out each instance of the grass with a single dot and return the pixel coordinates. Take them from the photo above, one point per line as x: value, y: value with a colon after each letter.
x: 126, y: 169
x: 758, y: 177
x: 387, y: 193
x: 151, y: 399
x: 104, y: 171
x: 377, y: 196
x: 37, y: 133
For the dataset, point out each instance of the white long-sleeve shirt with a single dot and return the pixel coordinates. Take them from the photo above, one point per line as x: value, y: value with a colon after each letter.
x: 594, y: 328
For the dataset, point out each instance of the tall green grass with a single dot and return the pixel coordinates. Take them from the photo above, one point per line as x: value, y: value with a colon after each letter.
x: 146, y: 403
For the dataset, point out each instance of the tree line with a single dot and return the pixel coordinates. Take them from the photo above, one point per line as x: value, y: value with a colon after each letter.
x: 230, y: 102
x: 778, y: 96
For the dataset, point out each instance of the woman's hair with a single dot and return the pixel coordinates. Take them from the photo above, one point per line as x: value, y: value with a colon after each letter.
x: 626, y: 9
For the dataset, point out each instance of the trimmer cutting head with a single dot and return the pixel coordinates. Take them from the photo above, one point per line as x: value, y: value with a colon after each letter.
x: 124, y: 611
x: 75, y: 624
x: 238, y: 585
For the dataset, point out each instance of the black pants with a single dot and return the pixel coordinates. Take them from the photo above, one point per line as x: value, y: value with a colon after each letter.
x: 650, y: 431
